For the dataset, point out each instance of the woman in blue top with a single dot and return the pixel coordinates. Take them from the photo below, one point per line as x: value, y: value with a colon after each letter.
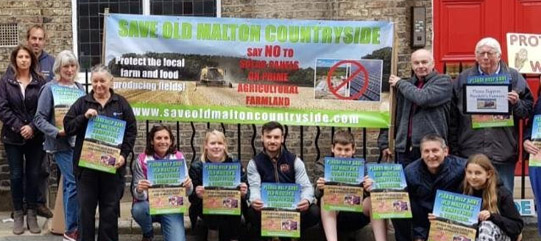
x: 65, y: 68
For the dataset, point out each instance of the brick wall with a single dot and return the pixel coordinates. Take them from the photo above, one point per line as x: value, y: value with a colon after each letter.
x: 55, y: 15
x: 397, y: 11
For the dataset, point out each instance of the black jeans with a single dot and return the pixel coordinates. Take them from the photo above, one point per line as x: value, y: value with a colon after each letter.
x: 104, y: 189
x: 31, y: 153
x: 347, y: 222
x: 228, y: 226
x: 43, y: 179
x: 402, y: 229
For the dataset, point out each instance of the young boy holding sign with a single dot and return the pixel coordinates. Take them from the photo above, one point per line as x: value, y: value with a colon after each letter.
x: 343, y: 146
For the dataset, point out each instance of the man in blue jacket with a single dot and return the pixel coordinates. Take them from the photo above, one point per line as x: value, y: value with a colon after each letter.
x: 276, y: 164
x: 36, y: 38
x: 423, y: 103
x: 436, y: 169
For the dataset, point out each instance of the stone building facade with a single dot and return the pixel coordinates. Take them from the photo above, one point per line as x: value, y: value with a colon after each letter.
x: 56, y: 17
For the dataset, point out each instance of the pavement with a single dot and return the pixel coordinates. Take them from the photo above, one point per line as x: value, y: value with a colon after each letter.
x: 129, y: 230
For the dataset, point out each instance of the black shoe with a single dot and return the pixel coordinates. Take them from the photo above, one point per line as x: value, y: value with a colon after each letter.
x: 43, y: 211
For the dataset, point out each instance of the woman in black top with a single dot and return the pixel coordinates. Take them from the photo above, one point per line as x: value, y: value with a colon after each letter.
x: 220, y: 227
x: 95, y: 187
x: 19, y: 93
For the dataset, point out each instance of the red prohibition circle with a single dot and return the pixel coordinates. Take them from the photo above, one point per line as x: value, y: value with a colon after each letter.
x: 360, y: 69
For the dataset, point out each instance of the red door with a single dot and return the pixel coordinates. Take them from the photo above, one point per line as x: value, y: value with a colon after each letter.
x: 459, y: 24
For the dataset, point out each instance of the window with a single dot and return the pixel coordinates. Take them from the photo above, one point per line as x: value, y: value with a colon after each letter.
x: 8, y: 35
x: 183, y: 7
x: 90, y: 19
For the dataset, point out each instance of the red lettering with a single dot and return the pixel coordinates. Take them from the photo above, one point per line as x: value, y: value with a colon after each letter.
x: 267, y: 89
x: 284, y: 65
x: 253, y: 76
x: 276, y: 77
x: 252, y: 64
x: 272, y: 51
x: 267, y: 101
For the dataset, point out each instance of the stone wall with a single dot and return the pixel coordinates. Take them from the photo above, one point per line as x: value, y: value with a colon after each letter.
x: 55, y: 15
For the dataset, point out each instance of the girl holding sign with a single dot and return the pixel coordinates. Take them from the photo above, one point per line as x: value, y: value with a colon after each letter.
x: 220, y: 227
x: 160, y: 146
x: 499, y: 218
x: 54, y: 99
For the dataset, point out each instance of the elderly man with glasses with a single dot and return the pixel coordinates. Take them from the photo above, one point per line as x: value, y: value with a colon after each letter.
x: 499, y: 139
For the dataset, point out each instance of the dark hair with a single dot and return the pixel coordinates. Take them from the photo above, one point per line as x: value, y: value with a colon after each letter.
x: 271, y: 125
x: 149, y: 150
x: 343, y: 137
x: 434, y: 137
x: 34, y: 66
x: 35, y: 26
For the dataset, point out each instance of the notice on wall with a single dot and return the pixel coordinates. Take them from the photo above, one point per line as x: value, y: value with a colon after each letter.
x: 524, y: 52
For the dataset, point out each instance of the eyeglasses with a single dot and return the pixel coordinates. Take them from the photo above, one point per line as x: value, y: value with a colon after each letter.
x: 489, y: 54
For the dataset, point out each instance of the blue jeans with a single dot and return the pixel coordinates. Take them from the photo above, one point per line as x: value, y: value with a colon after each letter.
x: 506, y: 172
x: 24, y: 163
x: 172, y: 224
x: 535, y: 180
x: 64, y: 160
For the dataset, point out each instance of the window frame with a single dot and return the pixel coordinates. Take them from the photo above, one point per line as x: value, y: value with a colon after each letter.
x: 145, y: 11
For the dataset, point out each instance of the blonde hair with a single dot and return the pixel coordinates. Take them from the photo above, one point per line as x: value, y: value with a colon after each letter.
x: 220, y: 135
x: 490, y: 191
x: 64, y: 58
